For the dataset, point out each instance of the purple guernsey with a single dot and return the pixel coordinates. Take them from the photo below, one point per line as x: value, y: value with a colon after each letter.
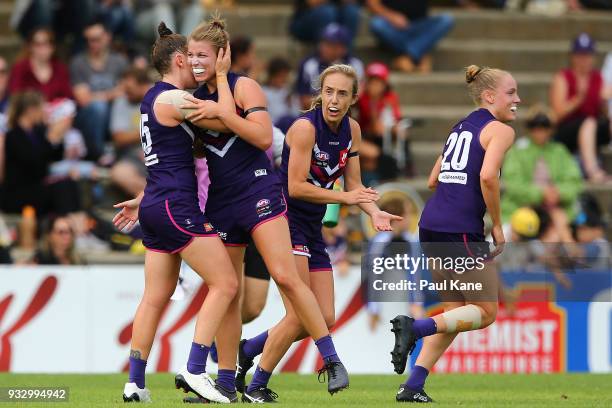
x: 457, y: 204
x: 327, y: 163
x: 231, y: 160
x: 168, y: 154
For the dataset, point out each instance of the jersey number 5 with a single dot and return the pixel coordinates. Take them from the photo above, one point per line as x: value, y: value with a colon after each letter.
x: 145, y: 139
x: 459, y: 146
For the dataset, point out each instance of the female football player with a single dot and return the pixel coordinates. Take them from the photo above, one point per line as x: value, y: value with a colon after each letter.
x: 466, y: 182
x: 174, y: 227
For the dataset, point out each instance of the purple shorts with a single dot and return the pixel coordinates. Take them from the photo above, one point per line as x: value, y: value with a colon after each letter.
x: 170, y: 225
x: 235, y: 212
x: 453, y: 244
x: 307, y: 240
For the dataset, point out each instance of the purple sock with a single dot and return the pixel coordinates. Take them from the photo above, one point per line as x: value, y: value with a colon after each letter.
x: 225, y: 378
x: 254, y: 346
x: 425, y: 327
x: 260, y: 379
x: 417, y: 378
x: 327, y: 349
x: 197, y: 358
x: 137, y: 371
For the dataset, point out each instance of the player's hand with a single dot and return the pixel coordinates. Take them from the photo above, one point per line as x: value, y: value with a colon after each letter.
x: 498, y: 239
x: 125, y: 220
x: 360, y: 196
x: 224, y: 60
x: 201, y: 109
x: 382, y: 220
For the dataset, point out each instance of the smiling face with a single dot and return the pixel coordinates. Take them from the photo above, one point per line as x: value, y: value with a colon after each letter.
x: 202, y: 58
x: 336, y: 97
x: 503, y: 101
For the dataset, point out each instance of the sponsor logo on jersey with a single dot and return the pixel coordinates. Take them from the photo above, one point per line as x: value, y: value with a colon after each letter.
x: 334, y: 143
x: 343, y: 157
x: 208, y: 227
x: 261, y: 172
x: 453, y: 177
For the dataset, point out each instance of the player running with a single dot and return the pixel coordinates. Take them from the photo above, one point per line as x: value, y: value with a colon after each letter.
x: 321, y: 145
x: 466, y: 182
x: 245, y: 199
x: 174, y: 227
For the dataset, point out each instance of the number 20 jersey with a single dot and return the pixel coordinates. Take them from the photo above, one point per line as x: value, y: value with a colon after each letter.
x: 168, y: 154
x: 457, y: 204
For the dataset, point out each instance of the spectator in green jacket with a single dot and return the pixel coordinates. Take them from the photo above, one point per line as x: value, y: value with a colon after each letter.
x: 541, y: 173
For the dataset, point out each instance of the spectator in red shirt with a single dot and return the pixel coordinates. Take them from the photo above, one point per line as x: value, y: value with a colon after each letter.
x: 378, y: 105
x: 39, y: 69
x: 379, y: 113
x: 577, y: 96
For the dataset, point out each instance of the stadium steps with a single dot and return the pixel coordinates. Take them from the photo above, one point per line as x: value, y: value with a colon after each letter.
x: 451, y: 54
x: 449, y: 88
x: 273, y: 20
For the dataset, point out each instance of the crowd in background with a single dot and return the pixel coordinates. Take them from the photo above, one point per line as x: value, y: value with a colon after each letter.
x: 69, y: 115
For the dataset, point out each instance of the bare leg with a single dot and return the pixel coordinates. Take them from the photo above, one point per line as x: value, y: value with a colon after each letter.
x: 230, y: 329
x: 434, y: 346
x: 281, y: 336
x: 209, y: 259
x: 161, y: 274
x: 254, y: 295
x: 274, y: 245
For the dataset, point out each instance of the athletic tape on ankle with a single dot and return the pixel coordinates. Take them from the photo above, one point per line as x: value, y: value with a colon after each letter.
x: 463, y: 318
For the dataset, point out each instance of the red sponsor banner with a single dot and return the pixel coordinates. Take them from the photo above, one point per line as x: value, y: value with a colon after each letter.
x: 529, y: 339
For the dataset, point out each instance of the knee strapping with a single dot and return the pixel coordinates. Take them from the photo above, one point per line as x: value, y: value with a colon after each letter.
x: 464, y: 318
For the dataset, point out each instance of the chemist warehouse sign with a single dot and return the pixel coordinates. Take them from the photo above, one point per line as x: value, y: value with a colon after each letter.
x: 528, y: 337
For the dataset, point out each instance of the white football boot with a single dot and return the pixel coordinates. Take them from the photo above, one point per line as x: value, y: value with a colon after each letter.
x: 200, y: 384
x: 131, y: 393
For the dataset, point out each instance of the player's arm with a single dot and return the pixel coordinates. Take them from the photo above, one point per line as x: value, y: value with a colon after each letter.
x: 256, y: 126
x: 495, y: 148
x: 169, y: 111
x: 352, y: 172
x: 301, y: 139
x: 432, y: 182
x: 352, y: 183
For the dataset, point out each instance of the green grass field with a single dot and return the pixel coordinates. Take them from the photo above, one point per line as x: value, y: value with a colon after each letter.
x: 558, y: 390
